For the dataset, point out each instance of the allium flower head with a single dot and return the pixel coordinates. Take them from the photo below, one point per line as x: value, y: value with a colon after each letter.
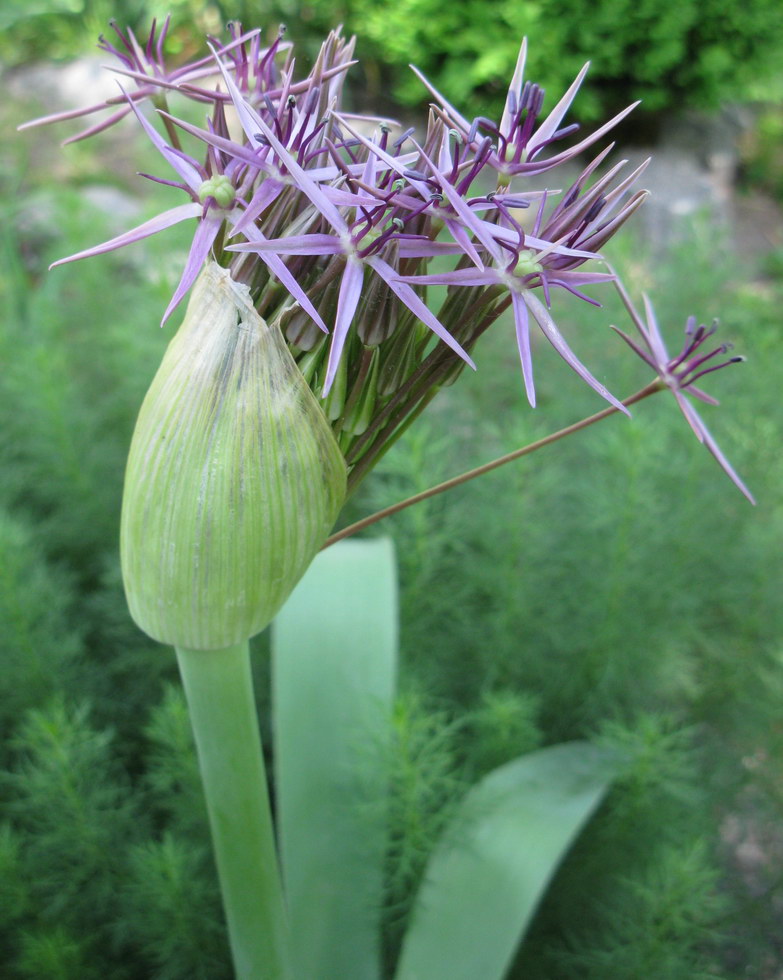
x: 333, y: 220
x: 699, y: 357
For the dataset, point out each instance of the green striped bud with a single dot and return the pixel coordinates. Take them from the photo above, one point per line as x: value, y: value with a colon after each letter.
x: 234, y: 478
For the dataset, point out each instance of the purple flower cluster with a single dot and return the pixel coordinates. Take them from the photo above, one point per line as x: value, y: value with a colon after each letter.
x: 341, y: 225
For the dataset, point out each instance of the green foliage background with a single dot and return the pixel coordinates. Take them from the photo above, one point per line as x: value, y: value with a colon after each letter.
x: 671, y: 54
x: 615, y: 587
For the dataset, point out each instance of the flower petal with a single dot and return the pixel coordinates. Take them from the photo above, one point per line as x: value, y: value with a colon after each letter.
x: 555, y: 338
x: 462, y: 238
x: 265, y: 194
x: 279, y: 269
x: 550, y: 125
x: 522, y: 326
x: 188, y: 171
x: 416, y: 306
x: 236, y: 150
x: 450, y: 109
x: 347, y: 301
x: 704, y: 436
x: 509, y: 235
x: 295, y: 245
x: 457, y: 277
x: 575, y: 150
x: 514, y: 88
x: 202, y: 242
x: 652, y: 334
x: 151, y: 227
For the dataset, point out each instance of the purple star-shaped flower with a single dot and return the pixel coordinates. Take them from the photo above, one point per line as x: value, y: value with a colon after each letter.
x: 213, y: 201
x: 679, y: 373
x: 519, y: 137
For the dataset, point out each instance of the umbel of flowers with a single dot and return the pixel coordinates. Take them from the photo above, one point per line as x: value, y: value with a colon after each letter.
x: 311, y: 340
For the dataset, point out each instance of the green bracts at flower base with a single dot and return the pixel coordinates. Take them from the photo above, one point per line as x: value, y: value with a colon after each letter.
x: 234, y: 478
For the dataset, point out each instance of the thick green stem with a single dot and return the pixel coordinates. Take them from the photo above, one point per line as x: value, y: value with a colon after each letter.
x: 219, y: 691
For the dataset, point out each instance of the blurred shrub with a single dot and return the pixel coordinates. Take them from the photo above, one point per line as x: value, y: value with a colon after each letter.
x: 616, y: 585
x: 39, y: 644
x: 762, y: 152
x: 669, y: 54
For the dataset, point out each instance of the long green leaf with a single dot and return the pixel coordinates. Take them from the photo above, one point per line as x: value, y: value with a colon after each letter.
x: 334, y: 669
x: 491, y: 868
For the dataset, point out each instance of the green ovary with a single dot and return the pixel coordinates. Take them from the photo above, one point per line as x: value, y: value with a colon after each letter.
x: 220, y: 188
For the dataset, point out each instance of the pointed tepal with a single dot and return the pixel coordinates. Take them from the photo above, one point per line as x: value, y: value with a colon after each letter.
x: 234, y: 478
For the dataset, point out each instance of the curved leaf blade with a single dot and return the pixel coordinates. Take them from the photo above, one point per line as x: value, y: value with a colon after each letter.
x: 494, y: 861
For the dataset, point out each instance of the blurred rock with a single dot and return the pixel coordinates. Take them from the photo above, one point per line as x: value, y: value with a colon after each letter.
x: 693, y: 178
x: 681, y: 190
x: 116, y: 203
x: 67, y: 86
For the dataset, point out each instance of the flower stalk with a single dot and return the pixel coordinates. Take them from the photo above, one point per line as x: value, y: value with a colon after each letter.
x: 219, y: 691
x: 457, y: 481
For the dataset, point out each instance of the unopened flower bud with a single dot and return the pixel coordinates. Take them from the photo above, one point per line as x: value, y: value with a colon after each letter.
x: 400, y: 359
x: 234, y: 478
x: 379, y: 313
x: 299, y: 328
x: 334, y: 402
x: 360, y: 416
x: 312, y: 361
